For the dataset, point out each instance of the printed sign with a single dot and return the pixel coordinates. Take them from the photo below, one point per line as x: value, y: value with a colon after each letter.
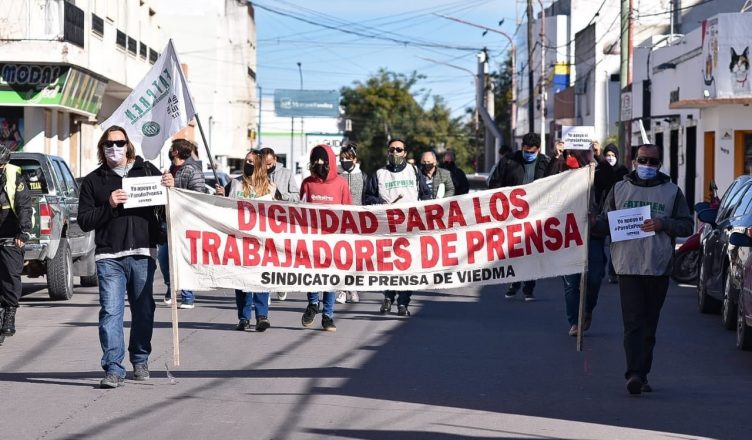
x: 625, y: 223
x: 306, y: 103
x: 489, y: 237
x: 144, y: 191
x: 577, y: 137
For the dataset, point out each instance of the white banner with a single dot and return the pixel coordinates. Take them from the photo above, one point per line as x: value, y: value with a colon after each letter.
x: 158, y: 107
x: 489, y: 237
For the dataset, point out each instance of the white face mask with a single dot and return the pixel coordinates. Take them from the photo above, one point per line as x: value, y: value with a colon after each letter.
x: 114, y: 154
x: 611, y: 160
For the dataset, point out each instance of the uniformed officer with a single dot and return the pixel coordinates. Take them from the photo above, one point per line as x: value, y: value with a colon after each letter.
x: 15, y: 229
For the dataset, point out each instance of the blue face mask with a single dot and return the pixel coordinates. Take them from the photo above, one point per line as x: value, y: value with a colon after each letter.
x: 646, y: 172
x: 529, y: 157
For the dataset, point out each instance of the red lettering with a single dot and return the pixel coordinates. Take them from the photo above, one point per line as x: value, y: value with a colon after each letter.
x: 369, y: 223
x: 554, y: 241
x: 250, y: 251
x: 246, y: 216
x: 301, y: 255
x: 571, y: 231
x: 349, y: 226
x: 363, y: 254
x: 429, y: 252
x: 448, y: 250
x: 404, y: 259
x: 322, y: 255
x: 270, y: 253
x: 456, y: 218
x: 394, y: 217
x: 474, y: 244
x: 434, y: 214
x: 479, y: 216
x: 275, y: 224
x: 414, y: 220
x: 343, y: 261
x: 297, y: 217
x: 522, y: 208
x: 495, y: 244
x: 383, y: 255
x: 192, y: 237
x: 210, y: 247
x: 288, y: 254
x: 513, y: 239
x: 496, y: 199
x: 329, y: 221
x: 534, y: 236
x: 231, y: 251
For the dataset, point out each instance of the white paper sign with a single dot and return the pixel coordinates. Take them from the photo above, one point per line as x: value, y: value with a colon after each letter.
x: 625, y: 223
x: 144, y: 191
x: 577, y: 137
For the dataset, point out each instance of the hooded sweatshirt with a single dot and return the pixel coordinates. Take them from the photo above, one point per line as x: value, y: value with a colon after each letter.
x: 332, y: 191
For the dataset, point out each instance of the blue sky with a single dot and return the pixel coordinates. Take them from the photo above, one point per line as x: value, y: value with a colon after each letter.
x: 331, y: 59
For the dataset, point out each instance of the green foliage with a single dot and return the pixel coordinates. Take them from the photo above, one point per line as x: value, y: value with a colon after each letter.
x: 387, y: 105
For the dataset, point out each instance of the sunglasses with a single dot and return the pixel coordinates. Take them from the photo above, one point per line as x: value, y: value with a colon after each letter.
x: 654, y: 161
x: 110, y: 144
x: 396, y: 150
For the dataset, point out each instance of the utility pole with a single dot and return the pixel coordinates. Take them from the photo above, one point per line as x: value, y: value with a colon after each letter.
x: 530, y: 53
x: 302, y: 120
x: 543, y: 79
x: 625, y: 80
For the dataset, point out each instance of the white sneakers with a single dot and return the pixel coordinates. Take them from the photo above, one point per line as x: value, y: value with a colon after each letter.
x: 341, y: 297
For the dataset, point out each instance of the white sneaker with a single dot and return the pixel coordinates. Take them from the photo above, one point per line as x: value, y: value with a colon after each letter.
x: 186, y: 306
x: 167, y: 301
x: 281, y: 296
x: 341, y: 297
x: 354, y: 297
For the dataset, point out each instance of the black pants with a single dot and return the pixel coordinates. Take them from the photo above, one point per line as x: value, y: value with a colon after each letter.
x: 527, y: 286
x: 641, y: 300
x: 11, y: 265
x: 404, y: 297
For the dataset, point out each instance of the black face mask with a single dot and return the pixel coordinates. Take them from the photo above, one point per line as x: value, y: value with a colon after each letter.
x: 448, y: 165
x: 427, y: 167
x: 270, y: 170
x: 248, y: 170
x: 347, y: 165
x: 320, y: 170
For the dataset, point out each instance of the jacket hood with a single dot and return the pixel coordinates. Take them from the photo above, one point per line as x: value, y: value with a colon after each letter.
x: 331, y: 157
x: 612, y: 148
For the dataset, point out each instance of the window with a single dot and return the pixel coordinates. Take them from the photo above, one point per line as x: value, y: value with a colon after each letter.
x: 142, y: 50
x: 73, y: 24
x: 67, y: 176
x: 120, y: 39
x: 732, y: 202
x: 132, y: 46
x: 743, y: 207
x: 97, y: 25
x: 153, y: 55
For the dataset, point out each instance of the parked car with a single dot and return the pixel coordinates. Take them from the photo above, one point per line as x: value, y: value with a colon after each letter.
x: 744, y: 310
x: 58, y: 248
x: 477, y: 181
x: 720, y: 269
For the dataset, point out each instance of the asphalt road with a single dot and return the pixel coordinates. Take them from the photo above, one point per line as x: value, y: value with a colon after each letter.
x: 467, y: 365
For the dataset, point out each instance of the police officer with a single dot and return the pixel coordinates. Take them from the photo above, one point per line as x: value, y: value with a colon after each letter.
x: 15, y: 229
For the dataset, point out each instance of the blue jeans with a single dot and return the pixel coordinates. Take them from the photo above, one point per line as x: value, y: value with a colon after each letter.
x: 313, y: 298
x: 164, y: 265
x: 596, y: 271
x: 117, y: 277
x: 402, y: 300
x: 245, y: 301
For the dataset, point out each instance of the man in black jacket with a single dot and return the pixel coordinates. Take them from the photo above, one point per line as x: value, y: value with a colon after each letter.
x: 459, y: 179
x: 520, y: 168
x: 125, y: 254
x: 15, y: 227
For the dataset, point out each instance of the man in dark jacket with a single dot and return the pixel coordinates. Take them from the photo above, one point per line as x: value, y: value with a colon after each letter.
x: 125, y: 254
x: 459, y: 179
x: 521, y: 168
x: 16, y: 221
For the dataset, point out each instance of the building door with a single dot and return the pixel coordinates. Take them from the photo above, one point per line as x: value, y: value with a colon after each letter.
x: 742, y: 152
x: 674, y: 151
x: 690, y: 171
x: 708, y: 175
x: 659, y: 142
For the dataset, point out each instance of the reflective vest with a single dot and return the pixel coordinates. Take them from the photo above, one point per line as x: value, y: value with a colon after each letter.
x: 11, y: 171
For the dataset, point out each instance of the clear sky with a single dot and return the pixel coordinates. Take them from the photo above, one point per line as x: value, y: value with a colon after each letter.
x: 331, y: 58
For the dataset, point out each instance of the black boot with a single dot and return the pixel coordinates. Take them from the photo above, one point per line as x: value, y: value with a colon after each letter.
x: 9, y: 322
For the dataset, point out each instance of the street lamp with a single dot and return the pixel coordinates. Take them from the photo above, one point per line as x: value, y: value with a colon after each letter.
x: 302, y: 118
x: 513, y: 124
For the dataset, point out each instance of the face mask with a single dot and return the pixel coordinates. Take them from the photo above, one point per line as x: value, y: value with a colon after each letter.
x: 395, y: 160
x: 646, y: 172
x: 427, y: 167
x: 572, y: 163
x: 114, y: 154
x: 347, y: 165
x: 248, y: 170
x: 270, y: 170
x: 529, y: 157
x: 611, y: 160
x: 320, y: 170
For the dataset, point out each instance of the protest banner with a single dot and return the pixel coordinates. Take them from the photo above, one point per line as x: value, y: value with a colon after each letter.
x: 626, y: 224
x: 489, y: 237
x: 144, y: 191
x: 577, y: 137
x: 158, y: 107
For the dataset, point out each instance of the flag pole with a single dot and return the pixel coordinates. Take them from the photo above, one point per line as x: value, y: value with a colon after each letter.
x: 206, y: 145
x: 583, y: 277
x: 173, y: 286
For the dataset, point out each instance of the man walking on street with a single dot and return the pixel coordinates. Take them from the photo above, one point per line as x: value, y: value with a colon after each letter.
x: 643, y: 265
x: 16, y: 222
x: 438, y: 179
x: 284, y: 179
x: 397, y: 182
x: 521, y: 168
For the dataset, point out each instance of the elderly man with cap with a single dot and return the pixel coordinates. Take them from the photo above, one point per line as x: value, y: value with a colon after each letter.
x: 16, y: 222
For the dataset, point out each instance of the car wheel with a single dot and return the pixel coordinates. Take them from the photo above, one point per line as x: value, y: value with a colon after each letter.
x: 728, y: 307
x: 743, y: 331
x: 60, y: 273
x: 705, y: 303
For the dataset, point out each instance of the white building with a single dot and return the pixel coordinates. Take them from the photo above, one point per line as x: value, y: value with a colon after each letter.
x: 216, y: 43
x: 65, y: 66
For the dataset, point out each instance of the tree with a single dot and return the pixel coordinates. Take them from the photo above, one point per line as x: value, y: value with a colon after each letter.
x: 385, y: 107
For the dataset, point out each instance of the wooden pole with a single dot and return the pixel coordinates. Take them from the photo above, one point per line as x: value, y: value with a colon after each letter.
x: 173, y: 285
x: 583, y: 277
